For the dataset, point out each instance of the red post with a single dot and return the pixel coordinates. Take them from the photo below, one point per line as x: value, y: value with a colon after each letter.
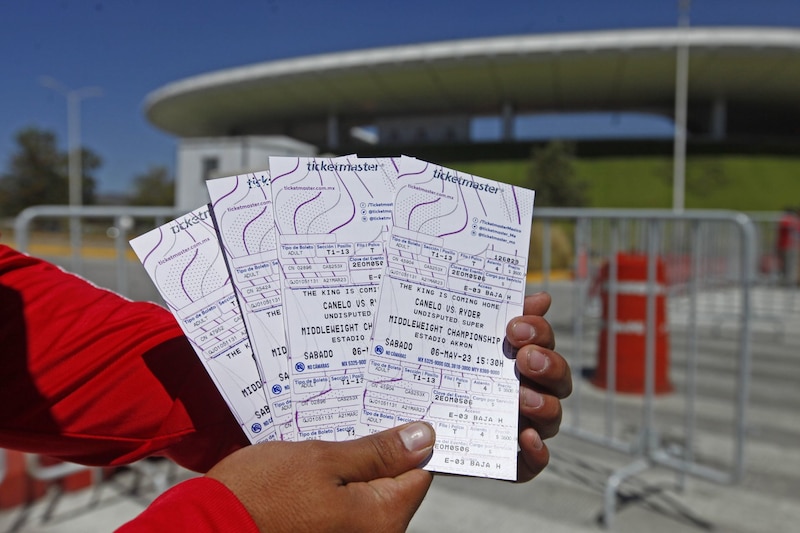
x: 18, y: 487
x: 630, y: 324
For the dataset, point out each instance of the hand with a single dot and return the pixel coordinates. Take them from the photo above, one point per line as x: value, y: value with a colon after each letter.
x: 545, y: 379
x: 369, y: 484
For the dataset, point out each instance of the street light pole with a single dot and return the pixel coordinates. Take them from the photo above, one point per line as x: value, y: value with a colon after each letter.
x: 681, y: 104
x: 74, y: 155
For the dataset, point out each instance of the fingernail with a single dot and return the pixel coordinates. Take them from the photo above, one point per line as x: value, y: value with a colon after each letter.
x: 523, y: 332
x: 537, y: 361
x: 537, y: 441
x: 417, y: 436
x: 532, y: 399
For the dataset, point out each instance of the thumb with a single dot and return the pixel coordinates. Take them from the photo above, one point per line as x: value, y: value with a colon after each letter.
x: 386, y: 454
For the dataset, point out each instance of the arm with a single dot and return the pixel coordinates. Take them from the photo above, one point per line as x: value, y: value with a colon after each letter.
x: 71, y: 350
x: 90, y: 377
x: 373, y: 484
x: 368, y: 484
x: 199, y: 505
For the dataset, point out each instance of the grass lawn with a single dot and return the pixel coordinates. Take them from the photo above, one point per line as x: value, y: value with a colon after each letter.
x: 742, y: 183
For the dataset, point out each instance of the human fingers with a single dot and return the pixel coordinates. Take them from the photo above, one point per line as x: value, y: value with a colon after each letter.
x: 533, y: 455
x: 353, y: 485
x: 541, y: 411
x: 533, y: 337
x: 536, y: 304
x: 381, y: 476
x: 532, y: 327
x: 386, y: 454
x: 544, y: 379
x: 546, y: 370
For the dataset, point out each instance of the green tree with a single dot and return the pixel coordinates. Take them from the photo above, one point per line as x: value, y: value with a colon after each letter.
x: 154, y: 187
x: 552, y: 175
x: 37, y: 173
x: 90, y: 162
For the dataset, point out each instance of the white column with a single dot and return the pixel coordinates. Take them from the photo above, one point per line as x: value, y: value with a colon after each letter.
x: 681, y: 104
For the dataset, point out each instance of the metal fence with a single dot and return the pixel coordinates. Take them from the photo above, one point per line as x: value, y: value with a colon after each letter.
x: 695, y: 281
x: 701, y: 289
x: 115, y: 223
x: 118, y: 221
x: 773, y: 274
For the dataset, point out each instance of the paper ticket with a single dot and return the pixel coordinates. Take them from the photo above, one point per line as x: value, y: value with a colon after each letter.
x: 185, y: 262
x: 332, y: 217
x: 242, y: 207
x: 455, y: 275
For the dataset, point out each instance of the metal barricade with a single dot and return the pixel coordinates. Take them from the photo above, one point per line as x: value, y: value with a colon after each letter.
x: 709, y: 258
x: 125, y: 218
x: 778, y: 296
x: 712, y: 286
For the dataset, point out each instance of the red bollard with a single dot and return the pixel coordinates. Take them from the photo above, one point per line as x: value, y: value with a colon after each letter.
x: 630, y: 325
x: 17, y: 487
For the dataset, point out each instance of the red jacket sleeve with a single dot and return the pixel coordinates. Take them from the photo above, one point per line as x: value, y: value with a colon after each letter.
x: 90, y: 377
x: 201, y: 505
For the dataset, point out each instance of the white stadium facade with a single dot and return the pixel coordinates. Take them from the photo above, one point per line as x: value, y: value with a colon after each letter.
x: 744, y: 83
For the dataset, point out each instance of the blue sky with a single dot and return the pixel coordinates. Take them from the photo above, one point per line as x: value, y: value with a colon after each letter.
x: 132, y: 47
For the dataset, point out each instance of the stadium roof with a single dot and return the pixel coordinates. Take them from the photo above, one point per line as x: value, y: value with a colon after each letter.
x: 753, y: 73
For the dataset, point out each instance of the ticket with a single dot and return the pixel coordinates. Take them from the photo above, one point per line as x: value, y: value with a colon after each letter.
x: 455, y: 275
x: 242, y: 208
x: 332, y: 217
x: 184, y: 260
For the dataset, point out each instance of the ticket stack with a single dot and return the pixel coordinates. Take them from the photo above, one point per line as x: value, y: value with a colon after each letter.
x: 330, y: 298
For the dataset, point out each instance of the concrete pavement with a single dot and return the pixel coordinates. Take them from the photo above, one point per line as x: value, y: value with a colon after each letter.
x: 568, y: 496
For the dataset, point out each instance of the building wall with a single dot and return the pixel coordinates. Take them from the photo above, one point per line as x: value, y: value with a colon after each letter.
x: 201, y: 159
x: 423, y: 130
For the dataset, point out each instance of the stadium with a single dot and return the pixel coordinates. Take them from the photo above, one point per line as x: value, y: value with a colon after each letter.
x: 682, y: 350
x: 425, y: 98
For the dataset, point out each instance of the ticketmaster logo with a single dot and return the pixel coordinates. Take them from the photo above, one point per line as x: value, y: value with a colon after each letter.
x: 455, y: 178
x: 188, y: 221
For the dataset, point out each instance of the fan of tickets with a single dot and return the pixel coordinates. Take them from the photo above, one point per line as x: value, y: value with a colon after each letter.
x: 329, y: 298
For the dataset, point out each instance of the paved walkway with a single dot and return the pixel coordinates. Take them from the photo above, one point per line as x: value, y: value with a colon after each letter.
x: 568, y: 496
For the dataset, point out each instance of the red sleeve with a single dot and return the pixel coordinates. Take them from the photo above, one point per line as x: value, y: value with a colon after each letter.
x: 90, y: 377
x: 200, y: 505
